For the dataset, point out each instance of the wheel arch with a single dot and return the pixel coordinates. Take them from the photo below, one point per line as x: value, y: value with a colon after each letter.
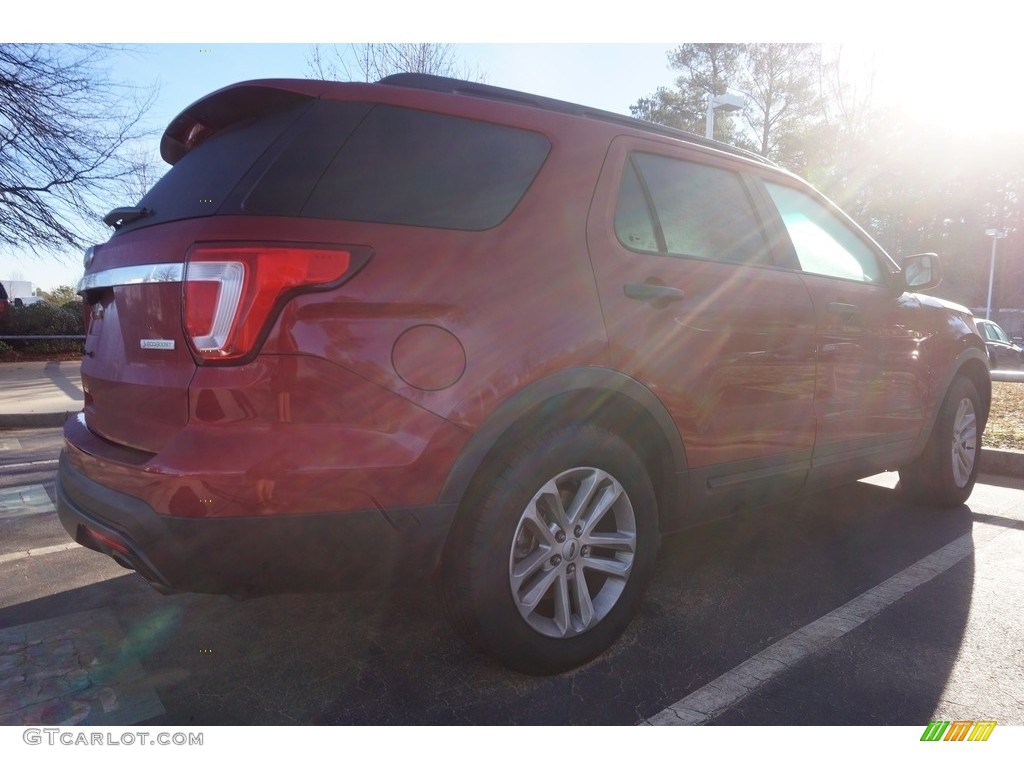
x: 599, y: 396
x: 972, y: 363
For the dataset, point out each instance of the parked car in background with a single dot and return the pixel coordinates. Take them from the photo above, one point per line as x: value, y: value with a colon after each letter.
x: 1003, y: 352
x: 362, y: 334
x: 28, y: 301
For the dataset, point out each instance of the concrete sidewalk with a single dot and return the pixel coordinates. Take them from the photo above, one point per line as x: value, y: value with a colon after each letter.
x: 39, y: 394
x: 45, y: 394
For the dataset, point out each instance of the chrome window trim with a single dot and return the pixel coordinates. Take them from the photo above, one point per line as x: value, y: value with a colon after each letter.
x: 137, y: 275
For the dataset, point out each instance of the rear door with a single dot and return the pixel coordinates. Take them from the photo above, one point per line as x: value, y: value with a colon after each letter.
x: 698, y: 312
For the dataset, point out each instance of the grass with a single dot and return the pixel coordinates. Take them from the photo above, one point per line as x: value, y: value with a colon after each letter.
x: 1005, y: 429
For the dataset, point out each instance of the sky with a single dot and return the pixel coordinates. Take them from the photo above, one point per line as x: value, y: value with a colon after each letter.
x: 564, y: 50
x: 605, y: 76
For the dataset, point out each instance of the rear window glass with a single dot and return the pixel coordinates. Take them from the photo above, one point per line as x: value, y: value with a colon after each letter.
x: 404, y: 166
x: 284, y: 187
x: 199, y: 183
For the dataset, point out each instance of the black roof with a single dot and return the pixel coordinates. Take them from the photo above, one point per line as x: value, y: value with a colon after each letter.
x: 482, y: 90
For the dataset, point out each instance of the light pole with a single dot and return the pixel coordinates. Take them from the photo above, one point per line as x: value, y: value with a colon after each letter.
x: 995, y: 234
x: 727, y: 102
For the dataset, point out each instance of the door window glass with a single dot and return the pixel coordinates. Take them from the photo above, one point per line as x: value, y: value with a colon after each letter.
x: 633, y: 224
x: 823, y: 244
x: 687, y: 209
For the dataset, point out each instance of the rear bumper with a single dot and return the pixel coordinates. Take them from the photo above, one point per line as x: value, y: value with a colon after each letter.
x: 238, y: 555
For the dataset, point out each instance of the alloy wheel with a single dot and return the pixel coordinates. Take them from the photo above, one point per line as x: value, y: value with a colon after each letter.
x: 572, y: 552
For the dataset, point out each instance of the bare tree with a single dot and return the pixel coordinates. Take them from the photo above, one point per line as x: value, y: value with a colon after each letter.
x: 145, y: 169
x: 783, y: 100
x: 63, y: 124
x: 848, y: 90
x: 370, y: 62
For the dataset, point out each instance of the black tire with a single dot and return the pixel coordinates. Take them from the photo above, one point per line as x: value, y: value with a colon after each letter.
x: 588, y: 571
x: 944, y: 475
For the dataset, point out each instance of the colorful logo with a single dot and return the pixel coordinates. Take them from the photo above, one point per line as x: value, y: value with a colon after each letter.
x: 958, y: 730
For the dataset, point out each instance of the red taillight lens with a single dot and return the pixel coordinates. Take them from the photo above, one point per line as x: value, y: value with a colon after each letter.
x: 109, y: 542
x: 231, y: 290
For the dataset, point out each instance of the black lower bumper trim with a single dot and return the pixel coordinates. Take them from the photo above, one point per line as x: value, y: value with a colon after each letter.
x: 288, y: 553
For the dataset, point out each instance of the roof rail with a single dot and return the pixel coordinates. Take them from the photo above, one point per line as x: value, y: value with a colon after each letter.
x: 484, y: 91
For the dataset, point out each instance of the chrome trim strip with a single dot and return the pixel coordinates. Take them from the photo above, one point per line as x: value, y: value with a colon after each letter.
x: 143, y: 273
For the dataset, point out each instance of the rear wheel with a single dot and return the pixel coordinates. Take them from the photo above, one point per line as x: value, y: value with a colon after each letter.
x: 945, y: 474
x: 554, y: 548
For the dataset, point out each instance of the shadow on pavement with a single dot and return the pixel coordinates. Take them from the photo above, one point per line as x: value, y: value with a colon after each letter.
x: 722, y: 593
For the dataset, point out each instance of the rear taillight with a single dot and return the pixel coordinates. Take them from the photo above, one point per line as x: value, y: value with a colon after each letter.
x: 107, y: 541
x: 230, y: 291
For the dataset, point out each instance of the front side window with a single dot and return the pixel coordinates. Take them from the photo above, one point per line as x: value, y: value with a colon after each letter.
x: 687, y: 209
x: 824, y: 245
x: 995, y: 333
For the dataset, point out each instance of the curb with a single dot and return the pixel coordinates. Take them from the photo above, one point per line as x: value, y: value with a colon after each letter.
x: 995, y: 462
x: 34, y: 420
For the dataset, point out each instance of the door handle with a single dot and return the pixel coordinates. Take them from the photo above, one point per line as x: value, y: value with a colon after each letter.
x: 653, y: 293
x: 839, y: 308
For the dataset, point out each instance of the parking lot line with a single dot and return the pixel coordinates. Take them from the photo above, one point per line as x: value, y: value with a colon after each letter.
x: 12, y: 556
x: 725, y: 691
x: 24, y: 500
x: 22, y: 465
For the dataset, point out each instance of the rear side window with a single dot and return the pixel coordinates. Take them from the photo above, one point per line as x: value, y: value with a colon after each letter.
x: 403, y: 166
x: 687, y: 209
x: 199, y: 183
x: 355, y: 161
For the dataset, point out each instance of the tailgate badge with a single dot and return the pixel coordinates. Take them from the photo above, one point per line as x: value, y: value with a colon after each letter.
x: 156, y: 343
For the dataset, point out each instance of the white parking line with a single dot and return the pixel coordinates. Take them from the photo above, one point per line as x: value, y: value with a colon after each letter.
x: 24, y: 500
x: 10, y: 444
x: 9, y: 558
x: 39, y: 463
x: 729, y: 689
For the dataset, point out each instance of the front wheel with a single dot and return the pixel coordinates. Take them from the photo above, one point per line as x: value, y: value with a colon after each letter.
x: 945, y: 474
x: 553, y: 550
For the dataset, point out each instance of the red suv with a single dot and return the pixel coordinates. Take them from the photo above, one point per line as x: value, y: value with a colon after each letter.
x: 367, y: 333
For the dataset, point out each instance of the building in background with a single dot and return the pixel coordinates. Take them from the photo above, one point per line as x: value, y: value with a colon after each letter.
x: 17, y: 289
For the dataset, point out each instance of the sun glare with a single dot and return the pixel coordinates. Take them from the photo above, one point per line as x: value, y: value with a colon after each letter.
x: 968, y: 94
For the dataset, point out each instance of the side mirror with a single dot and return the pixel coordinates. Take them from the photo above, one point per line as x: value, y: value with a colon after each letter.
x: 921, y: 271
